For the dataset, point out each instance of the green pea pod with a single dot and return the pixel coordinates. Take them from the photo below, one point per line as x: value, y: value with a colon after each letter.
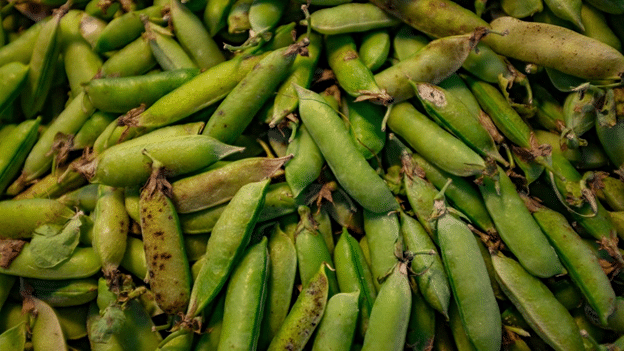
x: 608, y: 6
x: 201, y: 221
x: 110, y: 228
x: 407, y: 41
x: 6, y: 284
x: 546, y: 316
x: 350, y: 167
x: 134, y: 260
x: 188, y: 196
x: 611, y: 135
x: 91, y: 130
x: 375, y: 48
x: 613, y: 193
x: 336, y: 330
x: 384, y: 239
x: 431, y: 278
x: 521, y: 9
x: 595, y: 26
x: 194, y: 37
x: 350, y: 18
x: 420, y: 195
x: 21, y: 48
x: 134, y: 59
x: 46, y: 329
x: 581, y: 264
x: 230, y: 235
x: 19, y: 218
x: 455, y: 86
x: 280, y: 281
x: 125, y: 93
x: 238, y: 18
x: 518, y: 230
x: 421, y: 329
x: 549, y: 112
x: 264, y: 15
x: 13, y: 77
x: 124, y: 29
x: 390, y: 314
x: 579, y: 116
x: 304, y: 316
x: 457, y: 330
x: 54, y: 184
x: 364, y: 123
x: 64, y: 293
x: 15, y: 148
x: 209, y: 341
x: 14, y: 338
x: 469, y: 282
x: 305, y: 166
x: 166, y: 50
x: 73, y: 321
x: 567, y: 10
x: 215, y: 15
x: 179, y: 340
x: 83, y: 198
x: 354, y: 275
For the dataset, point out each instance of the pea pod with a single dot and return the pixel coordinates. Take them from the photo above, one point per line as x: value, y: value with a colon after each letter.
x: 264, y: 15
x: 384, y: 239
x: 337, y: 327
x: 209, y: 341
x: 421, y: 329
x: 238, y: 18
x: 13, y: 76
x: 305, y: 166
x: 579, y: 116
x: 133, y: 59
x: 64, y: 293
x: 595, y: 26
x: 15, y: 149
x: 124, y: 29
x: 46, y: 329
x: 567, y: 10
x: 608, y: 6
x: 21, y: 48
x: 110, y: 228
x: 350, y: 18
x: 611, y: 135
x: 375, y: 48
x: 521, y: 9
x: 167, y: 51
x: 21, y: 217
x: 134, y: 260
x: 14, y: 338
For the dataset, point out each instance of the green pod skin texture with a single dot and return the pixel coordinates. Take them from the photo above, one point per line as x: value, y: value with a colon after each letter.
x: 42, y: 64
x: 19, y: 218
x: 523, y: 8
x: 122, y: 94
x: 539, y: 307
x: 432, y: 17
x: 351, y: 73
x: 126, y: 165
x: 354, y: 275
x: 486, y: 64
x: 407, y: 41
x: 595, y: 24
x: 431, y: 278
x: 81, y: 72
x: 324, y: 226
x: 457, y: 329
x: 375, y: 48
x: 64, y: 293
x: 13, y: 75
x: 611, y: 138
x: 83, y: 198
x: 83, y: 263
x: 470, y: 283
x: 543, y: 44
x: 549, y: 112
x: 134, y: 259
x: 230, y: 235
x: 390, y: 315
x: 312, y: 251
x: 421, y: 329
x: 280, y: 282
x: 134, y: 59
x: 21, y: 48
x: 350, y: 18
x: 166, y: 50
x: 449, y: 112
x: 46, y: 330
x: 455, y: 86
x: 180, y: 340
x: 440, y: 147
x: 364, y: 123
x: 194, y: 38
x: 384, y: 240
x: 110, y: 228
x: 336, y: 330
x: 92, y: 129
x: 215, y: 15
x: 613, y: 193
x: 305, y: 167
x: 201, y: 222
x: 219, y: 185
x: 569, y: 10
x: 53, y: 185
x: 304, y: 316
x: 6, y: 284
x: 485, y: 253
x: 518, y: 230
x: 238, y: 18
x: 124, y: 29
x: 195, y: 246
x: 15, y: 148
x: 352, y: 171
x: 93, y: 318
x: 420, y: 195
x: 245, y: 296
x: 14, y: 338
x: 73, y: 321
x: 210, y: 341
x: 264, y: 15
x: 168, y: 268
x: 231, y: 117
x: 579, y: 116
x: 581, y: 264
x: 615, y: 7
x: 279, y: 202
x: 301, y: 73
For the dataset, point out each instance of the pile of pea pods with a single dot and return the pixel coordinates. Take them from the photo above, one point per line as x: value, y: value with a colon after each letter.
x: 321, y: 175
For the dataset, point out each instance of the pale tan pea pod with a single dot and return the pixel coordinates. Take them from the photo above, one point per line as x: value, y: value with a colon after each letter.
x: 110, y: 228
x: 432, y: 64
x: 556, y: 47
x: 46, y: 329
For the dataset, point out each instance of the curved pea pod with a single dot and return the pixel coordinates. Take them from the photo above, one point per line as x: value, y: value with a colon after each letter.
x: 53, y: 185
x: 469, y: 282
x: 375, y: 48
x: 579, y: 116
x: 280, y: 282
x: 457, y: 330
x: 431, y: 278
x: 73, y: 321
x: 83, y: 198
x: 608, y: 6
x: 541, y: 310
x: 126, y: 165
x: 15, y: 148
x: 304, y: 316
x: 587, y: 157
x: 14, y: 338
x: 521, y: 9
x: 13, y: 75
x: 350, y: 167
x: 215, y: 15
x: 19, y: 218
x: 420, y: 195
x: 421, y: 329
x: 305, y: 166
x: 595, y: 26
x: 110, y: 228
x: 238, y: 17
x: 230, y: 235
x: 350, y: 18
x: 336, y: 330
x: 567, y: 10
x: 384, y: 240
x: 209, y: 341
x: 245, y: 296
x: 21, y: 48
x: 46, y: 329
x: 201, y: 221
x: 92, y: 129
x: 134, y: 260
x: 191, y: 194
x: 458, y: 159
x: 364, y: 123
x: 518, y: 230
x: 455, y: 86
x: 581, y: 264
x: 541, y: 44
x: 124, y: 29
x: 611, y: 136
x: 134, y: 59
x: 390, y: 314
x: 264, y: 15
x: 354, y: 275
x: 407, y: 41
x: 167, y: 51
x: 64, y: 293
x: 194, y: 37
x: 613, y: 193
x: 121, y: 94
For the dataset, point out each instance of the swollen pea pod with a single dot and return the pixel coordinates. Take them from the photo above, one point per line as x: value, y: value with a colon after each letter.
x: 230, y: 235
x: 521, y: 9
x: 336, y: 330
x: 264, y: 15
x: 14, y: 338
x: 46, y: 329
x: 569, y: 10
x: 166, y: 50
x: 92, y: 129
x: 407, y: 41
x: 124, y: 29
x: 54, y: 184
x: 542, y: 44
x: 541, y: 310
x: 13, y: 75
x: 595, y: 26
x: 209, y: 341
x: 83, y: 198
x: 375, y: 48
x: 420, y: 194
x: 304, y: 316
x: 179, y: 340
x: 350, y: 167
x: 305, y: 166
x: 215, y: 15
x: 134, y: 59
x: 548, y: 111
x: 194, y: 37
x: 421, y: 329
x: 21, y: 49
x: 469, y: 281
x: 612, y: 193
x: 384, y: 240
x: 15, y: 148
x: 354, y: 275
x: 190, y: 194
x: 457, y: 330
x: 390, y: 314
x: 364, y: 123
x: 579, y: 116
x: 134, y: 260
x: 19, y: 218
x: 280, y: 281
x: 73, y: 321
x: 350, y: 18
x: 110, y: 228
x: 238, y: 18
x: 121, y: 94
x: 63, y: 293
